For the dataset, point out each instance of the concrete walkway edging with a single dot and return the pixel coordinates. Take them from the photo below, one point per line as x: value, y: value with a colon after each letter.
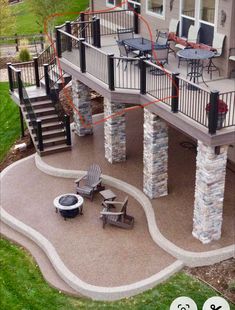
x: 189, y: 258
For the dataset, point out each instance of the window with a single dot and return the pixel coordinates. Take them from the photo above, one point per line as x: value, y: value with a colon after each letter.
x: 201, y: 13
x: 207, y: 11
x: 207, y: 20
x: 188, y: 8
x: 156, y: 7
x: 113, y: 2
x: 187, y: 16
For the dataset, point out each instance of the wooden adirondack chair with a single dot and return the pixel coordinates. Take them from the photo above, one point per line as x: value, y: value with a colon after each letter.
x: 120, y: 219
x: 91, y: 182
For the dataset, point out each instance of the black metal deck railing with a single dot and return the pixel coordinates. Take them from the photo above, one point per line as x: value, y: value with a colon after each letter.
x: 182, y: 96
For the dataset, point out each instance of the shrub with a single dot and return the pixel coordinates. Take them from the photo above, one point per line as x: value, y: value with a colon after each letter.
x: 24, y: 54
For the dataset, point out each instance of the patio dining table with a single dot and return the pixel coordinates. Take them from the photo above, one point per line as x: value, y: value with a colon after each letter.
x: 144, y: 46
x: 195, y: 58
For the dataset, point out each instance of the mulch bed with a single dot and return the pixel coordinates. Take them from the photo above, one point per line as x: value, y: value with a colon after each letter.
x: 220, y: 276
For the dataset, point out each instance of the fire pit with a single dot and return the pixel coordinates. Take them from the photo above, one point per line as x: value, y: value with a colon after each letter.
x: 69, y: 205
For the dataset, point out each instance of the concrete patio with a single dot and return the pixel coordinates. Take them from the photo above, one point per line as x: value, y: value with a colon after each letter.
x: 112, y: 258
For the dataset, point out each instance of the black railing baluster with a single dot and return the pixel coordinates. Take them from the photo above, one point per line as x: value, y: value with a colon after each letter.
x: 67, y: 129
x: 175, y: 93
x: 39, y: 134
x: 111, y: 71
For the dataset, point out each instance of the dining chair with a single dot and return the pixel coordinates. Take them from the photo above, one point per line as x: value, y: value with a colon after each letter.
x: 217, y: 48
x: 189, y: 42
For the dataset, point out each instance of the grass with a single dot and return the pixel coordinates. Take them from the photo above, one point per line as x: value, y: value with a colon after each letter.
x: 26, y: 21
x: 9, y: 120
x: 22, y: 287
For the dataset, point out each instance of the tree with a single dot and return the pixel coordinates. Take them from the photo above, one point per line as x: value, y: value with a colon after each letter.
x: 43, y: 8
x: 7, y: 19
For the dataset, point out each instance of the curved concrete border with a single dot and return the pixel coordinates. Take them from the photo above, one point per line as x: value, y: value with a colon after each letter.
x: 92, y: 291
x: 192, y: 259
x: 86, y: 289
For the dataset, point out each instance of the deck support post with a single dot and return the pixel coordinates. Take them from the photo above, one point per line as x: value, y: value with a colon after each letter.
x: 47, y: 78
x: 36, y: 71
x: 136, y: 19
x: 68, y: 29
x: 209, y: 192
x: 213, y: 112
x: 114, y: 131
x: 96, y: 32
x: 155, y: 155
x: 58, y: 41
x: 175, y: 93
x: 10, y: 78
x: 82, y: 55
x: 82, y: 112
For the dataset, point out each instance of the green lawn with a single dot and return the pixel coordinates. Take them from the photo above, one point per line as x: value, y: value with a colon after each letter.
x: 22, y: 288
x: 26, y: 21
x: 9, y: 120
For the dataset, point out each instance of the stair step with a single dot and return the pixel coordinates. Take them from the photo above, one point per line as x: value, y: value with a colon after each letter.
x: 41, y: 104
x: 54, y: 141
x: 37, y: 99
x: 60, y: 132
x: 55, y: 149
x: 48, y: 119
x: 48, y: 127
x: 43, y: 112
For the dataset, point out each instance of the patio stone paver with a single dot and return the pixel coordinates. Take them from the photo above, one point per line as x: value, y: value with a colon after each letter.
x: 103, y: 257
x: 174, y: 213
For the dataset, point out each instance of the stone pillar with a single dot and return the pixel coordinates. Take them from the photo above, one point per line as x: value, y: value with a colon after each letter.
x: 82, y: 112
x: 209, y: 193
x: 155, y: 155
x: 114, y: 132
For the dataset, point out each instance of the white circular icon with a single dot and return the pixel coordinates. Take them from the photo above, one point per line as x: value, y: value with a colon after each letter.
x: 216, y: 303
x: 183, y: 303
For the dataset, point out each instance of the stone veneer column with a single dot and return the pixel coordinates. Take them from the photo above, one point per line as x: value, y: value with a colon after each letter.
x: 155, y: 155
x: 114, y: 132
x: 209, y: 193
x: 82, y: 103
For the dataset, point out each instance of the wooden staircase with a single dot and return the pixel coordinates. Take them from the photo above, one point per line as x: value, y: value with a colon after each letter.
x: 36, y: 85
x: 53, y: 130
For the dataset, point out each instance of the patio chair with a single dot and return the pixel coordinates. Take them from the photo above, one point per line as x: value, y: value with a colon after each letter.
x: 117, y: 218
x: 162, y: 38
x: 190, y: 42
x: 124, y: 53
x: 217, y: 48
x: 172, y: 33
x: 92, y: 182
x: 160, y: 60
x: 125, y: 33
